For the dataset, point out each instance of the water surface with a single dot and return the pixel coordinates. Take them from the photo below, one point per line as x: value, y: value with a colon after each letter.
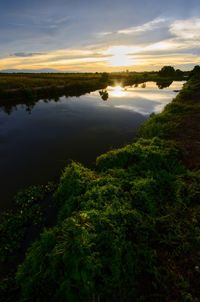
x: 36, y: 145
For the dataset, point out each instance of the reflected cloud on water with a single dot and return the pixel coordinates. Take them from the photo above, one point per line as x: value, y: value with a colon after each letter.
x: 143, y: 98
x: 126, y: 98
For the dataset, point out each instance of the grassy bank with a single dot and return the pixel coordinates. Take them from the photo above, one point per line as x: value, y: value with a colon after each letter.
x: 179, y: 122
x: 27, y: 89
x: 43, y: 85
x: 128, y: 230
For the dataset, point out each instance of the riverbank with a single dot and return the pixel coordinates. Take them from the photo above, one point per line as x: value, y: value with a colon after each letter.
x: 28, y: 89
x: 36, y: 86
x: 180, y: 122
x: 128, y: 230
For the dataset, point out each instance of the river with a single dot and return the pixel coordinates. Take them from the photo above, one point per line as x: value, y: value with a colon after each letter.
x: 37, y: 142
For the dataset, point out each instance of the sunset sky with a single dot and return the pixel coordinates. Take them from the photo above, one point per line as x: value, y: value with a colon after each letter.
x: 91, y: 35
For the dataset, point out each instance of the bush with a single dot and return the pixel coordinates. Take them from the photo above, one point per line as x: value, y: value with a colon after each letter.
x: 124, y: 233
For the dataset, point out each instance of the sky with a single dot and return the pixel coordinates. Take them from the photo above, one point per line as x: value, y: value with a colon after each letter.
x: 96, y: 36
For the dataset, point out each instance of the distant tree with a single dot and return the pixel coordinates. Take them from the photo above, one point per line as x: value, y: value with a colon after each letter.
x: 167, y: 71
x: 195, y: 73
x: 179, y: 73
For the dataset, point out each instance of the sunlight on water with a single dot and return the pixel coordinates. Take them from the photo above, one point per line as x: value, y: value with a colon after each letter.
x: 148, y: 91
x: 142, y: 98
x: 47, y: 134
x: 116, y: 91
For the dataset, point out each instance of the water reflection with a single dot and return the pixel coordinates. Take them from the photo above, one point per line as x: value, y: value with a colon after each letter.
x: 144, y: 99
x: 140, y: 92
x: 10, y: 106
x: 144, y: 91
x: 164, y: 84
x: 117, y: 91
x: 78, y: 128
x: 29, y: 98
x: 104, y: 95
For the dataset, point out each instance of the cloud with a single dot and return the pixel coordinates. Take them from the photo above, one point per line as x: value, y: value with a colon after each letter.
x: 186, y: 29
x: 151, y: 57
x: 65, y: 59
x: 158, y: 23
x: 154, y: 24
x: 144, y: 34
x: 105, y: 33
x: 145, y: 47
x: 24, y: 55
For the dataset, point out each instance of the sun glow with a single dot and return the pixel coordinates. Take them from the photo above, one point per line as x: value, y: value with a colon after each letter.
x: 120, y: 55
x: 116, y: 91
x: 120, y: 60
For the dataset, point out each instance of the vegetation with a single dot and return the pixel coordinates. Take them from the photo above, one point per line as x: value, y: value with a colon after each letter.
x: 29, y: 80
x: 28, y: 88
x: 163, y: 78
x: 127, y: 232
x: 19, y: 228
x: 18, y: 83
x: 129, y: 229
x: 14, y: 224
x: 167, y: 71
x: 179, y: 121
